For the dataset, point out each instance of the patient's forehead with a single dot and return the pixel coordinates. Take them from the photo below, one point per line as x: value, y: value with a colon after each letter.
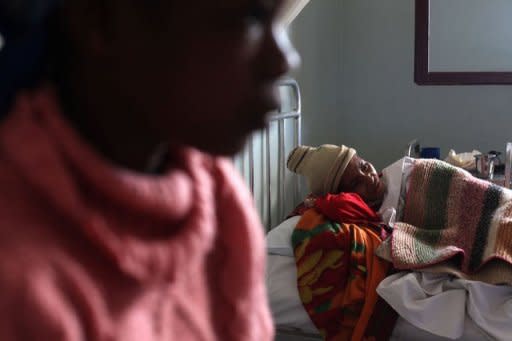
x: 352, y: 167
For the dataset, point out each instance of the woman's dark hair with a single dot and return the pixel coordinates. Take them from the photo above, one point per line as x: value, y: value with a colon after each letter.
x: 24, y: 30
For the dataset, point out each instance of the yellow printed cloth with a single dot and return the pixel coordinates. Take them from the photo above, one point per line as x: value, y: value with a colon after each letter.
x: 337, y: 274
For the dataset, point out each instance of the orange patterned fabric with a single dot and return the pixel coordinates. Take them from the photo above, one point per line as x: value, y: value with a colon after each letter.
x: 337, y: 274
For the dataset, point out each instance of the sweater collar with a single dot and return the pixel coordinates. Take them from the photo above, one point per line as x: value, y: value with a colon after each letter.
x: 137, y: 219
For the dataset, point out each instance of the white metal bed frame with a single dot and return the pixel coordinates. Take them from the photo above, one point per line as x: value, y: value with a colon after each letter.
x: 263, y: 161
x: 275, y: 202
x: 271, y: 160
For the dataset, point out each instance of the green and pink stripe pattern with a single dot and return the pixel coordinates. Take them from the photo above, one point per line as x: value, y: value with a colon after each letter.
x: 449, y: 213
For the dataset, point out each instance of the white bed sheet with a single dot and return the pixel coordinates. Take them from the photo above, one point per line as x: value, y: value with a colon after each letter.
x: 281, y: 275
x: 287, y: 309
x: 279, y: 239
x: 405, y: 331
x: 288, y: 312
x: 446, y: 306
x: 286, y: 306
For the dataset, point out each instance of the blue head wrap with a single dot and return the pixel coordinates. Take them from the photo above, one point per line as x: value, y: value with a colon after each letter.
x: 23, y: 39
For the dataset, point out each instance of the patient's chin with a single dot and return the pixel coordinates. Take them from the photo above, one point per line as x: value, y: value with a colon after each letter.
x: 375, y: 202
x: 376, y: 205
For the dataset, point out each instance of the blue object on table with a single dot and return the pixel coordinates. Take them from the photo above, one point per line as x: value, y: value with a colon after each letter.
x: 430, y: 153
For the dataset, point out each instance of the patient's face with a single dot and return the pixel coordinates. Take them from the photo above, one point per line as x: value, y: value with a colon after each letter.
x: 208, y: 69
x: 361, y: 177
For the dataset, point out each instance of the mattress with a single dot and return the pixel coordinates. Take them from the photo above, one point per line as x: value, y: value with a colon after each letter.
x: 291, y: 320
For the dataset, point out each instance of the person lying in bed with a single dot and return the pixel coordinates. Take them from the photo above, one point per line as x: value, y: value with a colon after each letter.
x: 337, y: 174
x: 452, y: 224
x: 442, y: 207
x: 334, y: 241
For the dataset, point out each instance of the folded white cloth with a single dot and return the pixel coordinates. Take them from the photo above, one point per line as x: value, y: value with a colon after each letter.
x: 462, y: 160
x: 393, y: 177
x: 283, y: 295
x: 440, y: 304
x: 404, y: 331
x: 279, y: 239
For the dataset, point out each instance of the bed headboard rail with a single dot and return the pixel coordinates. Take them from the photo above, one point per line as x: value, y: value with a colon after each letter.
x: 508, y: 165
x: 263, y: 161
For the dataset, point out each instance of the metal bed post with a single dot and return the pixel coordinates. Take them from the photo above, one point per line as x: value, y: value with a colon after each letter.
x: 267, y: 178
x: 268, y: 173
x: 295, y: 114
x: 281, y: 169
x: 508, y: 164
x: 298, y: 137
x: 292, y: 83
x: 251, y: 164
x: 298, y: 141
x: 242, y: 165
x: 413, y: 149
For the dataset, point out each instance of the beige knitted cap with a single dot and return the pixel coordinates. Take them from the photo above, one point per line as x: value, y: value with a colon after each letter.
x: 322, y: 166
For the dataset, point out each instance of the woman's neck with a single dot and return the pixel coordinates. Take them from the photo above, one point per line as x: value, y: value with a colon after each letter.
x: 105, y: 122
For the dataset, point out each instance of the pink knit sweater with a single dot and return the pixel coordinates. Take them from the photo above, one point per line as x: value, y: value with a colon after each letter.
x: 89, y: 251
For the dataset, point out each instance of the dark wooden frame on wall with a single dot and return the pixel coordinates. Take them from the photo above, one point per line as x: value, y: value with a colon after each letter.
x: 423, y: 76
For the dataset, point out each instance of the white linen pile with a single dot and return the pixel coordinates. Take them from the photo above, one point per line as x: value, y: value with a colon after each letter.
x: 442, y: 305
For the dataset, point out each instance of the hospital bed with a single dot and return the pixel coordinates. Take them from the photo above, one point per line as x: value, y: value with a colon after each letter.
x: 277, y: 191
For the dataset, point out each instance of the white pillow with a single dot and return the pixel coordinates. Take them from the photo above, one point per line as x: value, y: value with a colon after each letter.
x: 281, y: 279
x: 283, y: 295
x: 279, y: 239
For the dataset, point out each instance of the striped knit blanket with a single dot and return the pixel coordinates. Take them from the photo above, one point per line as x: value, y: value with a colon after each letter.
x: 449, y: 213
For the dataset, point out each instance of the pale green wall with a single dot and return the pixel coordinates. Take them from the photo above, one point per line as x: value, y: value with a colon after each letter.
x: 358, y: 88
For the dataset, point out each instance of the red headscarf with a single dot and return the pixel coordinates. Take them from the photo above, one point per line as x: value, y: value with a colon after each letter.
x: 346, y: 208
